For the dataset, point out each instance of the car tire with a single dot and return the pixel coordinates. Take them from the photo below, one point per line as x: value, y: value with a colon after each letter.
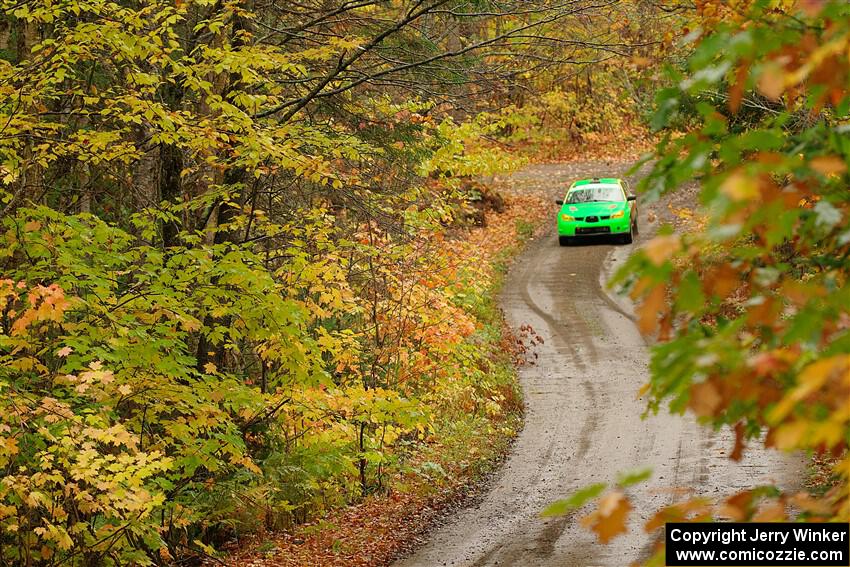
x: 565, y: 240
x: 629, y: 237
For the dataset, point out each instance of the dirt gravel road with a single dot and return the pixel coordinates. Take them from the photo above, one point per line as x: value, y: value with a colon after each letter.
x: 583, y: 422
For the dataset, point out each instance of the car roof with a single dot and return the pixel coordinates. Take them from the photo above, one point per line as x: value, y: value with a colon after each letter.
x: 597, y: 181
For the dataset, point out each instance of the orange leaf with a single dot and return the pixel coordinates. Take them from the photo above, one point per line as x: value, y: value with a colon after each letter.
x: 609, y: 519
x: 764, y: 313
x: 678, y: 512
x: 772, y: 82
x: 736, y: 93
x: 773, y: 512
x: 661, y: 248
x: 640, y: 287
x: 828, y: 165
x: 738, y: 451
x: 810, y: 504
x: 650, y: 309
x: 737, y: 507
x: 721, y: 281
x: 812, y: 7
x: 705, y: 399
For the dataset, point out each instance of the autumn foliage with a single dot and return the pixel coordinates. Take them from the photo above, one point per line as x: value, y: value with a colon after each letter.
x: 751, y: 312
x: 747, y: 304
x: 234, y: 295
x: 239, y: 287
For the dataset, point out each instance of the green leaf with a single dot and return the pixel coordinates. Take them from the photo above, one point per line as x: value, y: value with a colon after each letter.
x: 633, y: 477
x: 575, y: 500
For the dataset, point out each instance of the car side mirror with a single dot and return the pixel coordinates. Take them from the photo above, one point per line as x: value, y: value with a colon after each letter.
x: 559, y: 201
x: 631, y: 198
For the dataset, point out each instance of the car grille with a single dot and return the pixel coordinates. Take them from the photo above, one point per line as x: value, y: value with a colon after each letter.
x: 593, y: 230
x: 592, y: 218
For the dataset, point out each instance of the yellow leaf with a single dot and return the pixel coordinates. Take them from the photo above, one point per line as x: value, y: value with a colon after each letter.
x: 9, y: 446
x: 829, y: 433
x: 740, y: 187
x: 210, y: 368
x: 811, y: 379
x: 790, y: 435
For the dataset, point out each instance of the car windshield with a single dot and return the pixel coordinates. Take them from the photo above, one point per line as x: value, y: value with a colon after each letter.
x: 595, y: 193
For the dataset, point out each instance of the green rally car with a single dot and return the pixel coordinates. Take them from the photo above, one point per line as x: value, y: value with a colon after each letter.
x: 598, y: 206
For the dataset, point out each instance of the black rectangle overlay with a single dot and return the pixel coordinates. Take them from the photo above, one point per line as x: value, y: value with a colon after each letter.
x: 758, y: 544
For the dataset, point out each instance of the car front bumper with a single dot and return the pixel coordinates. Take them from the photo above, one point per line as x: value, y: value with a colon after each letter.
x: 600, y: 228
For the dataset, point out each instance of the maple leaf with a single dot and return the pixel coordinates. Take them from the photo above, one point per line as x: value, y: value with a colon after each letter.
x: 721, y: 281
x: 810, y: 504
x: 64, y: 351
x: 738, y: 450
x: 650, y: 309
x: 740, y: 187
x: 828, y: 165
x: 737, y: 507
x: 609, y: 519
x: 772, y: 81
x: 705, y: 399
x: 773, y: 512
x: 661, y: 248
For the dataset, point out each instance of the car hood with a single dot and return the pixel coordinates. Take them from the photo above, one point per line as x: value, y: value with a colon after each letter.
x: 585, y: 209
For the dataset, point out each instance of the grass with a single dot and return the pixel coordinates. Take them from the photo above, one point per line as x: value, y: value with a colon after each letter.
x: 525, y: 230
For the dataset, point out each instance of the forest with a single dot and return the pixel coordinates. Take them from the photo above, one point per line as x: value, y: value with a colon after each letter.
x: 251, y: 253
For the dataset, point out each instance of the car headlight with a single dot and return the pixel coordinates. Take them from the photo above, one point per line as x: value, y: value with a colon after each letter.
x: 618, y: 214
x: 567, y: 218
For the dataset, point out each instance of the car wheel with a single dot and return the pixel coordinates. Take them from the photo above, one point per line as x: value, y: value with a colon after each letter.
x: 629, y: 237
x: 565, y: 240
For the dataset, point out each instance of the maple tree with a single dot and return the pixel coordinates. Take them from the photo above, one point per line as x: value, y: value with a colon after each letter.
x: 750, y: 312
